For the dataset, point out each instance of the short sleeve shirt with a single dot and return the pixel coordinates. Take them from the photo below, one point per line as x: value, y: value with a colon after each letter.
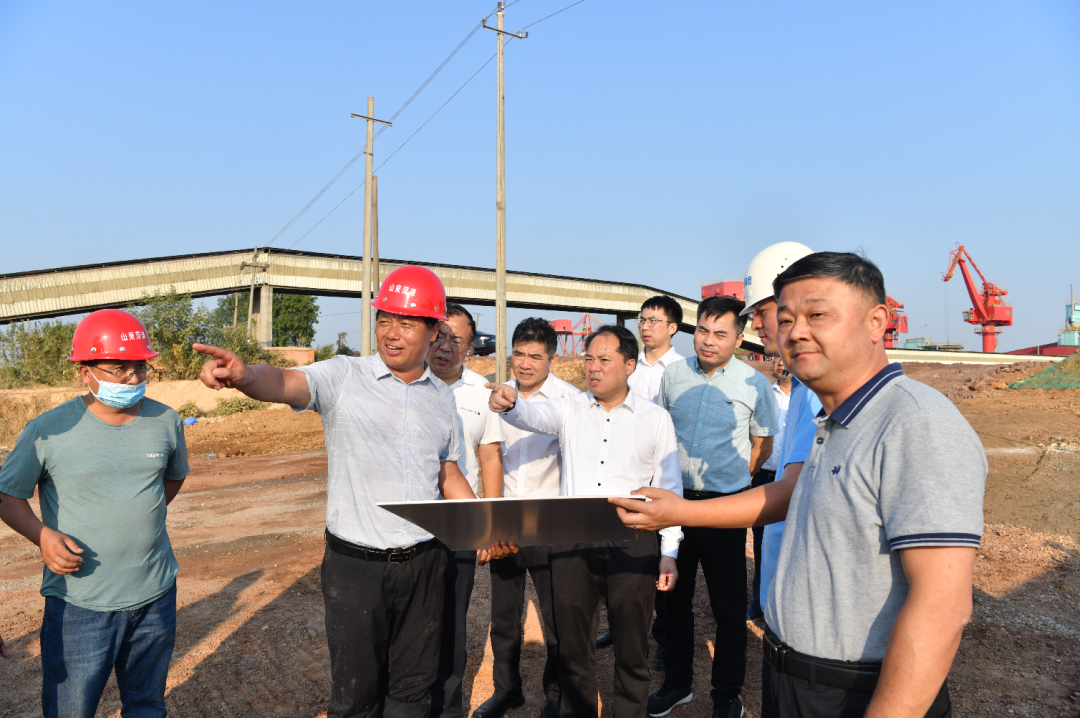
x: 478, y: 424
x: 385, y: 441
x: 895, y: 466
x: 714, y: 420
x: 103, y: 486
x: 798, y: 438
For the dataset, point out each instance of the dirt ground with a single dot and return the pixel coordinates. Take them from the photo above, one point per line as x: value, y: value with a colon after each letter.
x: 247, y: 530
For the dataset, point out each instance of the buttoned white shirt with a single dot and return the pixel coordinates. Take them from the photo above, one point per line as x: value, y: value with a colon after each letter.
x: 532, y: 462
x: 782, y: 402
x: 477, y: 422
x: 645, y: 381
x: 609, y: 453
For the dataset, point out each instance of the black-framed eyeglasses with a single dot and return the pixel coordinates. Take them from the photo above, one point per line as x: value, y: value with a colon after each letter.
x: 652, y: 322
x: 457, y: 343
x: 123, y: 374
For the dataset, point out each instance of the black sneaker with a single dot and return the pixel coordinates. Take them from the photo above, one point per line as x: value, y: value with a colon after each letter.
x: 661, y: 702
x: 732, y: 709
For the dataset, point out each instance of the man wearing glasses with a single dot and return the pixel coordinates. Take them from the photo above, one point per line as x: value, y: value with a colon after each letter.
x: 481, y: 464
x: 659, y: 322
x: 105, y: 466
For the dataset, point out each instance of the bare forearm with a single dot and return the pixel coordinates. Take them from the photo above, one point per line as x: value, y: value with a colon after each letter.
x: 282, y: 386
x: 18, y: 515
x: 926, y: 634
x: 760, y: 453
x: 491, y: 469
x: 452, y: 483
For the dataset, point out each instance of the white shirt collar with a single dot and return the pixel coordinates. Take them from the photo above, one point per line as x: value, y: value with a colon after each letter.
x: 630, y: 402
x: 669, y: 356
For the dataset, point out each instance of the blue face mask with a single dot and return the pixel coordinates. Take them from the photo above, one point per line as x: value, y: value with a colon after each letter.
x: 119, y: 396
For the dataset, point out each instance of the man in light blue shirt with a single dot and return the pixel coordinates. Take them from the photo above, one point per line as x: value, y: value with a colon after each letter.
x: 725, y: 419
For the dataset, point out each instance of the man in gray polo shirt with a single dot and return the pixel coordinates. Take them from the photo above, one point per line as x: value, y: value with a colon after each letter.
x: 874, y: 578
x: 724, y: 418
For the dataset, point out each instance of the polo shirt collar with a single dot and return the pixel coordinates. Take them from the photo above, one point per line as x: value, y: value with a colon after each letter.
x: 849, y: 410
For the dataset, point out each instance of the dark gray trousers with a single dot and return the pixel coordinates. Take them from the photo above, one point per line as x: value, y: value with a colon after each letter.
x: 623, y: 575
x: 457, y: 591
x: 383, y: 627
x: 507, y: 602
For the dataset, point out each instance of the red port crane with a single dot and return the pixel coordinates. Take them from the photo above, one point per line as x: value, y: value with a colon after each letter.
x: 897, y: 323
x: 988, y: 310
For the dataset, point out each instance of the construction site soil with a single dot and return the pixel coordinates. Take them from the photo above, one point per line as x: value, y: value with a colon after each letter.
x: 247, y: 530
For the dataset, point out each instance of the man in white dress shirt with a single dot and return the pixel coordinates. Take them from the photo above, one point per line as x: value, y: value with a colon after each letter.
x: 612, y: 442
x: 530, y: 468
x: 659, y: 322
x: 481, y: 464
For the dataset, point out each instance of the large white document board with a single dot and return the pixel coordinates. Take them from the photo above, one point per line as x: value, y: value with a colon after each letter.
x: 478, y: 523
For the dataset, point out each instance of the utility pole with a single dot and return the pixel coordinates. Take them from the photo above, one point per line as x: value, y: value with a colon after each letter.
x: 374, y: 246
x: 500, y: 200
x: 365, y: 291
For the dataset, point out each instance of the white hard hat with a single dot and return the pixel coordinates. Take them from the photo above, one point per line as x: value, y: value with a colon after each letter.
x: 767, y: 266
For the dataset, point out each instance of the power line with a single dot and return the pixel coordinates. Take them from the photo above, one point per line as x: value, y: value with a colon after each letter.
x: 429, y: 119
x: 381, y: 130
x: 553, y: 14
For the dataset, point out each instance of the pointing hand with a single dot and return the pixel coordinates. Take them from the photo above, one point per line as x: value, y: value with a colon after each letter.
x: 223, y: 369
x: 503, y: 397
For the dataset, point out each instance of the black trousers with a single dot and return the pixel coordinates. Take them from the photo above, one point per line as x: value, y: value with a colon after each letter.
x: 383, y: 625
x: 759, y: 479
x: 722, y: 555
x: 784, y: 696
x: 457, y: 592
x: 623, y: 575
x: 507, y: 602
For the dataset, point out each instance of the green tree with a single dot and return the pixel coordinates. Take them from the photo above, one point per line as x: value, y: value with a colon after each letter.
x: 36, y: 353
x: 174, y: 324
x: 295, y: 317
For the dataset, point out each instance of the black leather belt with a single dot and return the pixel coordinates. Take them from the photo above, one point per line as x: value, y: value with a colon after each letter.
x: 394, y: 555
x: 845, y: 675
x: 696, y: 495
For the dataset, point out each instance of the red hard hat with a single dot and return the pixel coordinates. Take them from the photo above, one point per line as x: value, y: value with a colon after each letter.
x: 412, y: 291
x: 110, y: 334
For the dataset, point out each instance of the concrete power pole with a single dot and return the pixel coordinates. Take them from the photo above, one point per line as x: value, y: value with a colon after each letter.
x: 374, y: 247
x: 365, y: 290
x: 500, y: 201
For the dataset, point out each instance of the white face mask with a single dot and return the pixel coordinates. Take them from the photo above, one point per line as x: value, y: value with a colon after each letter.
x: 119, y: 396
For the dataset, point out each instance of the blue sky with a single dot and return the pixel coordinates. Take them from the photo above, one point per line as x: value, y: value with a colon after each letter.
x: 646, y: 142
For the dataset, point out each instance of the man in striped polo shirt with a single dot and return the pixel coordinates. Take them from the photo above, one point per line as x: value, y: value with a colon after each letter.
x: 874, y: 578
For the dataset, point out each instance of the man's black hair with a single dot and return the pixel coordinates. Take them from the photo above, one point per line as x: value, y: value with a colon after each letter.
x: 536, y: 329
x: 671, y: 309
x: 719, y: 306
x: 431, y: 322
x: 454, y: 309
x: 627, y: 341
x: 849, y: 268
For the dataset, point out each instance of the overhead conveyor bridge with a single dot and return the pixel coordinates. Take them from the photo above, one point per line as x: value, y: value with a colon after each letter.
x: 74, y: 290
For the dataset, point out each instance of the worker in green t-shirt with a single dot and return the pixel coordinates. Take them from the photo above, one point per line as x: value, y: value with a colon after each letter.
x: 104, y: 465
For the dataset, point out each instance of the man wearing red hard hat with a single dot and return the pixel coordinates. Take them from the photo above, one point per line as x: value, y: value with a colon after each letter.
x: 392, y: 434
x: 105, y: 466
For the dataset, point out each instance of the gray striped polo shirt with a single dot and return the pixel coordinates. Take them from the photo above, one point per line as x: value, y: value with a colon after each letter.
x: 895, y: 466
